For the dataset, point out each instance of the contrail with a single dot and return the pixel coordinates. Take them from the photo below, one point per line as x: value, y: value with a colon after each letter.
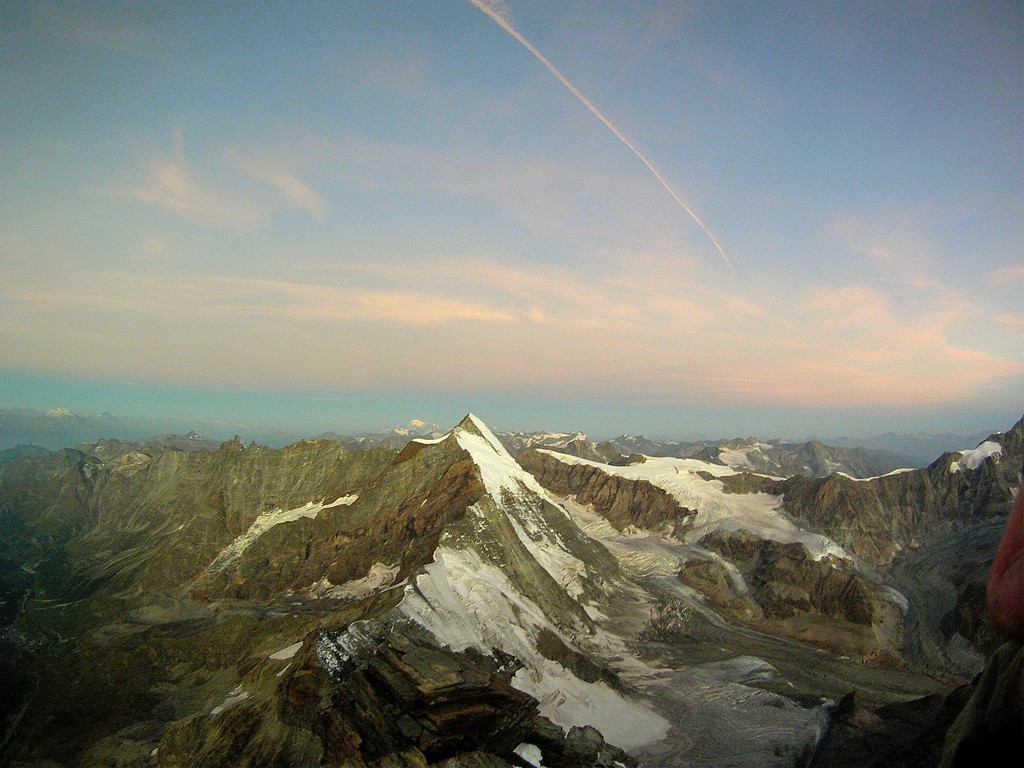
x: 499, y: 14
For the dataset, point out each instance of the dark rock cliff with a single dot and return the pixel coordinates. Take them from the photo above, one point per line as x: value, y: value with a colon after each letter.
x: 622, y: 502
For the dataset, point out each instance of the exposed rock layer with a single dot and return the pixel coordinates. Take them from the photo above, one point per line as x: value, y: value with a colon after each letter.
x: 622, y: 502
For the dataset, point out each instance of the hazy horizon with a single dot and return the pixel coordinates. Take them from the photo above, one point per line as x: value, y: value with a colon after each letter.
x: 673, y: 218
x: 219, y: 414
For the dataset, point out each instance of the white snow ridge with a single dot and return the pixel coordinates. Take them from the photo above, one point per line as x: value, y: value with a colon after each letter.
x: 510, y: 485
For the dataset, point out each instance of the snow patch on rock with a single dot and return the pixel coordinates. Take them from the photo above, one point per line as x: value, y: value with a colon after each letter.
x: 897, y: 597
x: 521, y: 496
x: 566, y: 569
x: 286, y: 653
x: 971, y: 460
x: 568, y: 701
x: 500, y: 472
x: 466, y: 602
x: 234, y: 697
x: 740, y: 456
x: 380, y: 577
x: 268, y: 520
x: 530, y: 753
x: 430, y: 441
x: 334, y: 651
x: 759, y: 513
x: 868, y: 479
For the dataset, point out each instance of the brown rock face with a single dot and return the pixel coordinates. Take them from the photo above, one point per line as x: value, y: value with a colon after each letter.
x: 795, y: 594
x: 391, y: 698
x: 165, y: 515
x: 397, y: 520
x: 876, y: 518
x: 622, y: 502
x: 712, y: 580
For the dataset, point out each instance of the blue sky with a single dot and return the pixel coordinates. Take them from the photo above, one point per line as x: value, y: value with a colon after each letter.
x: 379, y: 211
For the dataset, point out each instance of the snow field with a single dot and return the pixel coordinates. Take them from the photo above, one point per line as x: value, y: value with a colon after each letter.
x: 717, y: 510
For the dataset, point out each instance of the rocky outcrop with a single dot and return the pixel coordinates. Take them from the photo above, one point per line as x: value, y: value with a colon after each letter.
x: 622, y: 502
x: 395, y: 700
x: 407, y: 693
x: 22, y: 451
x: 569, y: 443
x: 902, y: 735
x: 167, y: 514
x: 823, y: 602
x: 815, y: 459
x: 975, y: 724
x: 585, y: 449
x: 403, y: 699
x: 397, y: 521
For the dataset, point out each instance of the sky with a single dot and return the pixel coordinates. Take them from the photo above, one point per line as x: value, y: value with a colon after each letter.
x: 721, y: 218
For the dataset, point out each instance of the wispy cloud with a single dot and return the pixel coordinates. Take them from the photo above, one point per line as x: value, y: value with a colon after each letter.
x: 1011, y: 320
x: 159, y: 327
x: 653, y: 332
x: 275, y: 173
x: 171, y: 184
x: 184, y: 295
x: 1011, y: 274
x: 896, y: 244
x: 303, y: 301
x: 848, y: 307
x: 869, y: 348
x: 557, y: 198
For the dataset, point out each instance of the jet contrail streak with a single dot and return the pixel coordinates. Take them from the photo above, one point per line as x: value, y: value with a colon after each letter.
x: 497, y: 15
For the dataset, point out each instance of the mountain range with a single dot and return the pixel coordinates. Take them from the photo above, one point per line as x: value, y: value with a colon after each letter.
x: 472, y: 598
x: 59, y: 427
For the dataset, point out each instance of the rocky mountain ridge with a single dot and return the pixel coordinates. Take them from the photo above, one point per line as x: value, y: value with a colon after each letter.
x: 394, y: 438
x: 444, y: 603
x: 402, y: 540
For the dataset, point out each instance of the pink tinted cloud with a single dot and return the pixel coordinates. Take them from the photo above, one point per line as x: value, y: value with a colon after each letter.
x: 172, y: 185
x: 481, y: 323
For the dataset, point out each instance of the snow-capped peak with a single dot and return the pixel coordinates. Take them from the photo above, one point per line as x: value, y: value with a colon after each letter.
x: 500, y: 472
x: 538, y: 520
x: 470, y: 596
x: 415, y: 428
